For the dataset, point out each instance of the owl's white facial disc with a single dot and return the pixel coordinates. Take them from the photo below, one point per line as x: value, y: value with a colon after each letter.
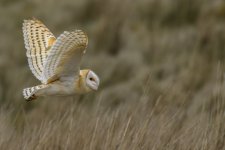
x: 92, y: 80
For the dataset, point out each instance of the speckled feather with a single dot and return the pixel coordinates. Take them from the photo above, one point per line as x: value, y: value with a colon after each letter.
x: 38, y: 40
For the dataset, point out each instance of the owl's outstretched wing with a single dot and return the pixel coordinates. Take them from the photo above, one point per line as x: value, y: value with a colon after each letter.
x: 65, y: 56
x: 38, y: 40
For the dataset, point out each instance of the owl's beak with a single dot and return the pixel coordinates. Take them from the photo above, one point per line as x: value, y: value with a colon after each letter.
x: 95, y: 88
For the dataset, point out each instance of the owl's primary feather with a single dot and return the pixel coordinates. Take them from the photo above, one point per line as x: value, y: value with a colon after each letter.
x: 65, y: 55
x: 38, y: 40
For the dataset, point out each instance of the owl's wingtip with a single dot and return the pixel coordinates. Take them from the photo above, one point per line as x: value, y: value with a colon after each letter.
x: 31, y: 19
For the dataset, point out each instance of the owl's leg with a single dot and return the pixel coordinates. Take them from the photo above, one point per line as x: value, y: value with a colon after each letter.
x: 29, y: 93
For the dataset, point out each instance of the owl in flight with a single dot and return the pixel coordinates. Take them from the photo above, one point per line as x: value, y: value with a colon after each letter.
x: 56, y: 62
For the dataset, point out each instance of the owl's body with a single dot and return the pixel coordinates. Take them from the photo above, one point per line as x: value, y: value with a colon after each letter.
x: 56, y: 62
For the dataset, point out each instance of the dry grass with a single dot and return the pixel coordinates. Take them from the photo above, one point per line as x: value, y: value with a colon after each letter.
x: 128, y: 126
x: 161, y: 64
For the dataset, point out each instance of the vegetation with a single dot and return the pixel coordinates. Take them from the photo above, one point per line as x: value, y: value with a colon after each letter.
x: 161, y: 65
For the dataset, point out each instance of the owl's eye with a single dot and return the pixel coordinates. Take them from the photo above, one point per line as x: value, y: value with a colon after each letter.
x: 92, y: 79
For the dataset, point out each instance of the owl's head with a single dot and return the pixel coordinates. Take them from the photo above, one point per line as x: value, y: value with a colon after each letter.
x: 92, y: 80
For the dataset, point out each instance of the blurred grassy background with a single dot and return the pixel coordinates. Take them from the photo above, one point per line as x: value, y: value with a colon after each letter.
x: 161, y: 65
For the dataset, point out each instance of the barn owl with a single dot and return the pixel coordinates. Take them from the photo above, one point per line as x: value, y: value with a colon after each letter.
x: 56, y: 62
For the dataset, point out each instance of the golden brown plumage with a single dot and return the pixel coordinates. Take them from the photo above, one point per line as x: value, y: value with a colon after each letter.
x: 38, y: 40
x: 80, y: 86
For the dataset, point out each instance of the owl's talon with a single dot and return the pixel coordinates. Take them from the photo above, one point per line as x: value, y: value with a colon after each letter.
x: 33, y: 97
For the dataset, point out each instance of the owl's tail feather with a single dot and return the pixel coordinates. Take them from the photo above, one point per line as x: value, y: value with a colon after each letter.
x: 29, y: 93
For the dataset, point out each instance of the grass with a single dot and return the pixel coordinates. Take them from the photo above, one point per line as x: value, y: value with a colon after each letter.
x: 128, y: 126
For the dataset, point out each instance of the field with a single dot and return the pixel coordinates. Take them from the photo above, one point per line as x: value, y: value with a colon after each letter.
x: 161, y: 65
